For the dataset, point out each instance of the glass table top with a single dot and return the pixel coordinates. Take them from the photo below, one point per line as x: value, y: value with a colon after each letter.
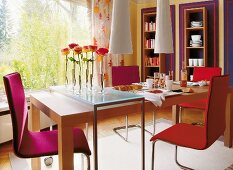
x: 109, y: 96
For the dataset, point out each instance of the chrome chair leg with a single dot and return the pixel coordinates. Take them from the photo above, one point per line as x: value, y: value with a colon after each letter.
x: 88, y: 162
x: 177, y: 162
x: 127, y: 126
x: 154, y: 121
x: 153, y: 155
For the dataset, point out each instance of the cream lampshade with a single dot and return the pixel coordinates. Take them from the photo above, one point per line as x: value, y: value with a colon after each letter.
x: 163, y: 36
x: 120, y: 38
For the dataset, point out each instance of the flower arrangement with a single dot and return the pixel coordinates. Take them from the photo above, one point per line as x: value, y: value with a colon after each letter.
x: 101, y: 52
x: 84, y: 58
x: 72, y: 59
x: 92, y: 49
x: 66, y: 52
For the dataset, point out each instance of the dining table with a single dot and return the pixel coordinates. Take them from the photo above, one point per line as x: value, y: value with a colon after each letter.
x: 69, y: 110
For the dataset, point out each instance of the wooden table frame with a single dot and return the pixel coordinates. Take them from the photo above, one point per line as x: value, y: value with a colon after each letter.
x: 69, y: 113
x: 75, y: 112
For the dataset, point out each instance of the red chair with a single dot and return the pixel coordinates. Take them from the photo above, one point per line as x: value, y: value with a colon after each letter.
x: 199, y: 74
x: 28, y: 144
x: 200, y: 137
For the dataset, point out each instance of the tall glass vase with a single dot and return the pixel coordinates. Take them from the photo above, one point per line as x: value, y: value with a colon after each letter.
x: 87, y: 73
x: 66, y: 76
x: 80, y: 73
x: 92, y: 71
x: 73, y: 76
x: 101, y: 77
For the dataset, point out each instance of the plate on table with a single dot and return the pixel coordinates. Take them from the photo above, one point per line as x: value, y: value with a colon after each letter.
x: 189, y: 83
x: 164, y: 92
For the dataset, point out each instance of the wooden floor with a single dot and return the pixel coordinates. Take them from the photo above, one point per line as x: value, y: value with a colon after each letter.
x: 105, y: 128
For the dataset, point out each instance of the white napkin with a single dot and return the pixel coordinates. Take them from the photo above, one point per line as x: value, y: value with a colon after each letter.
x: 157, y: 99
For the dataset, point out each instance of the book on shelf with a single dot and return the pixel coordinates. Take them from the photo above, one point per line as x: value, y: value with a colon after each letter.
x: 151, y: 61
x: 150, y: 43
x: 150, y: 26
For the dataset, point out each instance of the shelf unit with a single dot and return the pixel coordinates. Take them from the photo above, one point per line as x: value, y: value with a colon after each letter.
x: 195, y: 14
x: 150, y: 62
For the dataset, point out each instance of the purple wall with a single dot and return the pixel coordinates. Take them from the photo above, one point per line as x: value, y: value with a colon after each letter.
x: 228, y: 38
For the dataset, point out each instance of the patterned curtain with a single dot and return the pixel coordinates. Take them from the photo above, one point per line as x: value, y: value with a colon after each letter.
x: 101, y: 16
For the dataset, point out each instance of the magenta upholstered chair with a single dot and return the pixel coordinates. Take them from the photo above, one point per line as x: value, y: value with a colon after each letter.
x: 28, y: 144
x: 200, y: 137
x: 125, y: 75
x: 199, y: 74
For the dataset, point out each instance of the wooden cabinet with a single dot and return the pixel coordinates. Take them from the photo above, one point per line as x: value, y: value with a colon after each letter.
x: 195, y: 38
x: 150, y: 62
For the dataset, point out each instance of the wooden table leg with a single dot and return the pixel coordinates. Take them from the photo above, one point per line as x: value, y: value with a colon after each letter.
x: 65, y: 147
x: 35, y: 126
x: 228, y: 134
x: 175, y: 114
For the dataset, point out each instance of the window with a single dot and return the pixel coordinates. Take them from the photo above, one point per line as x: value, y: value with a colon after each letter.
x: 32, y: 33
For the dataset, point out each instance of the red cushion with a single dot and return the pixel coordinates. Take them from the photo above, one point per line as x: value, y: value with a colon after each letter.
x: 37, y: 144
x: 185, y: 135
x: 198, y: 104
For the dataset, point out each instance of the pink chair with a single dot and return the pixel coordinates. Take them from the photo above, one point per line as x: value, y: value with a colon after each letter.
x: 199, y: 74
x: 125, y: 75
x: 200, y: 137
x: 29, y: 144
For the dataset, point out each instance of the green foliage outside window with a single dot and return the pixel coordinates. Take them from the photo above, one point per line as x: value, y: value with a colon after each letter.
x: 35, y: 51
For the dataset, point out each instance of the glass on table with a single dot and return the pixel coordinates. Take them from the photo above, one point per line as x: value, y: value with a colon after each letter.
x: 161, y: 82
x: 156, y: 79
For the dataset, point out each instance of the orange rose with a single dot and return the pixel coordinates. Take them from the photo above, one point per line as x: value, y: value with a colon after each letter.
x: 77, y: 50
x: 72, y: 45
x: 99, y: 58
x: 106, y: 76
x: 92, y: 48
x: 96, y: 9
x: 86, y: 49
x: 65, y: 51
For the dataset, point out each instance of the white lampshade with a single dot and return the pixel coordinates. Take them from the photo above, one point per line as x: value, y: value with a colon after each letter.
x: 163, y: 36
x: 120, y: 38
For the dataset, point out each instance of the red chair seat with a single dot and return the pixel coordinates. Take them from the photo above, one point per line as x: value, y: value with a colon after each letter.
x: 198, y: 104
x: 36, y: 144
x: 185, y: 135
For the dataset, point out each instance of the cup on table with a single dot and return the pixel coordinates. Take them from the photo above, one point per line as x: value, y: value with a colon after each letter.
x: 168, y: 84
x: 195, y: 62
x: 200, y: 62
x: 149, y: 83
x: 167, y: 77
x: 190, y: 62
